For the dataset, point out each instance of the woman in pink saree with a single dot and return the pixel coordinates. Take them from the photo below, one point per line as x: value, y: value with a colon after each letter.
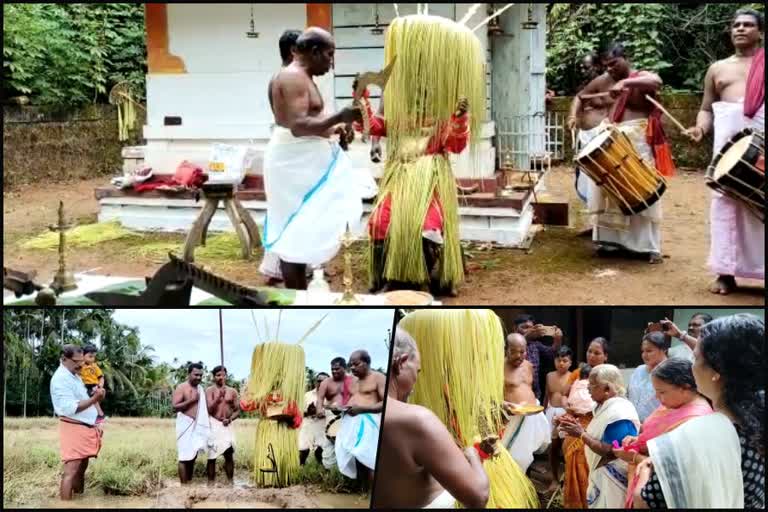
x: 680, y: 401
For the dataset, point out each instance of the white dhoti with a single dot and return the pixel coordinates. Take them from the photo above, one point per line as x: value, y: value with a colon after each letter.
x: 313, y: 192
x: 311, y: 434
x: 358, y: 440
x: 639, y: 233
x: 193, y: 435
x: 222, y: 439
x: 526, y: 435
x: 582, y: 180
x: 737, y: 236
x: 552, y: 412
x: 329, y: 449
x: 443, y: 500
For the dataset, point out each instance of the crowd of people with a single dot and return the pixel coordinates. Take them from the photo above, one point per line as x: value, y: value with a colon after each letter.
x: 353, y: 395
x: 614, y: 94
x: 734, y: 99
x: 659, y: 441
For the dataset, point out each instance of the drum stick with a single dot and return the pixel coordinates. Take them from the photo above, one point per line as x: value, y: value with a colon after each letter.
x: 670, y: 116
x: 592, y: 96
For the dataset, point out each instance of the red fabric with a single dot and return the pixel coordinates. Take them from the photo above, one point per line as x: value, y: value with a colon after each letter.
x: 453, y: 139
x: 657, y: 139
x: 188, y: 175
x: 755, y: 96
x: 379, y: 222
x: 346, y: 391
x: 483, y: 455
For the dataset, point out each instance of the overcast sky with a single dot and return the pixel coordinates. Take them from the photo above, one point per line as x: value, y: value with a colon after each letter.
x: 193, y: 334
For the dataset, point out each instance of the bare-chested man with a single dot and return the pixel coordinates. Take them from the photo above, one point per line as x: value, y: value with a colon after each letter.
x: 587, y: 113
x: 223, y: 408
x: 358, y: 438
x: 636, y: 235
x: 420, y: 465
x: 332, y: 397
x: 734, y: 99
x: 192, y: 421
x: 302, y: 171
x: 524, y: 434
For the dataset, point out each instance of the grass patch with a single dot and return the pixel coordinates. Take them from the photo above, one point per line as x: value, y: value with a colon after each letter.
x: 221, y: 247
x: 138, y: 455
x: 81, y: 236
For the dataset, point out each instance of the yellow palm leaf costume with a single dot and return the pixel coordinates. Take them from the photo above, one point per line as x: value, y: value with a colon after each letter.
x: 438, y: 61
x: 462, y: 382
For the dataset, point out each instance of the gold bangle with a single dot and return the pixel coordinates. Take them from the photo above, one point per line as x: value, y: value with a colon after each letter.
x: 634, y: 458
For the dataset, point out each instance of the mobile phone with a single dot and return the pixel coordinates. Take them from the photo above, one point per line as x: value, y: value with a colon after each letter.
x: 655, y: 327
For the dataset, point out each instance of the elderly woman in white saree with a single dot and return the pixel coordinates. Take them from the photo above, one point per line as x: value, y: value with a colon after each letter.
x: 614, y: 418
x: 717, y: 460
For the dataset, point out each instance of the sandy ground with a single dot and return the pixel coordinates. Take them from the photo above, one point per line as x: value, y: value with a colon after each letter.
x: 559, y: 269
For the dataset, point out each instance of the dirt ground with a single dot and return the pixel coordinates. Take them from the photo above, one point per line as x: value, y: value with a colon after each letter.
x: 127, y: 474
x: 560, y: 268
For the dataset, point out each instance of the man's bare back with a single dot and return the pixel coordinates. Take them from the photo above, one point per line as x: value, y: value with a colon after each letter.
x: 403, y: 480
x: 557, y: 388
x: 228, y: 403
x: 283, y: 88
x: 185, y: 392
x: 368, y: 390
x: 518, y: 383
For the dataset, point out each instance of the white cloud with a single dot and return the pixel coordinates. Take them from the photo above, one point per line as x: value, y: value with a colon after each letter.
x: 193, y: 334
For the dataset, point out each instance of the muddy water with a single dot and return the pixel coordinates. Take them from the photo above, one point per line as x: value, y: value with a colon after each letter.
x: 240, y: 495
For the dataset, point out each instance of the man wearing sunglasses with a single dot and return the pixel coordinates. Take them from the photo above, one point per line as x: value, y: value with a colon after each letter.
x: 79, y: 435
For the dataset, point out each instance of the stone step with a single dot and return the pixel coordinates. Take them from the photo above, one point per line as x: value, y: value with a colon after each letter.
x: 505, y: 226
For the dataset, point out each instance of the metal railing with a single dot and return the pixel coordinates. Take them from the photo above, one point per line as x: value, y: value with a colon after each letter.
x: 530, y: 142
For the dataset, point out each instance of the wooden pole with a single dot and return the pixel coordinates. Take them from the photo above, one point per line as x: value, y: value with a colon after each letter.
x: 221, y: 337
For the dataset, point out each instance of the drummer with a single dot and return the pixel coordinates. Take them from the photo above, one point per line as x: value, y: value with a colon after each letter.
x: 333, y: 395
x: 640, y: 234
x: 734, y: 99
x: 523, y: 435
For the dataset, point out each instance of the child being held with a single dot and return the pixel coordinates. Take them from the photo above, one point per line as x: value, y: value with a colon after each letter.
x: 579, y: 400
x: 92, y: 376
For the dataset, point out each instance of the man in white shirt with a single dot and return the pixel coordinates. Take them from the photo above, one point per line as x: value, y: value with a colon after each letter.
x: 79, y: 436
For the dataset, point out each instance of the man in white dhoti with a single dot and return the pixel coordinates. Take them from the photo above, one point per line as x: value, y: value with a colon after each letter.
x: 586, y: 114
x: 313, y: 191
x: 312, y: 433
x: 193, y: 428
x: 358, y: 438
x: 524, y: 435
x: 223, y: 408
x: 614, y: 232
x: 734, y: 99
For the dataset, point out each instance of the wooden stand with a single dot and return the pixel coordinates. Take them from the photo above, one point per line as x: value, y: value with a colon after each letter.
x: 245, y: 227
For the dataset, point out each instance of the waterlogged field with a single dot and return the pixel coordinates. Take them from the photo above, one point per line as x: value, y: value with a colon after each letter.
x: 137, y: 468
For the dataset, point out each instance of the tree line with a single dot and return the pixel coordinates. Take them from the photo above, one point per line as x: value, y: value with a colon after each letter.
x: 676, y: 40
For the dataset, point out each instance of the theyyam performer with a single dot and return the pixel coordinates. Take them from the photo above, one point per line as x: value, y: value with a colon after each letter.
x: 438, y: 75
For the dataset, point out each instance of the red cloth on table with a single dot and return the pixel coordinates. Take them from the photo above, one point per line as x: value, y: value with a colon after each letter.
x: 453, y: 139
x: 755, y: 95
x: 657, y: 139
x: 188, y: 175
